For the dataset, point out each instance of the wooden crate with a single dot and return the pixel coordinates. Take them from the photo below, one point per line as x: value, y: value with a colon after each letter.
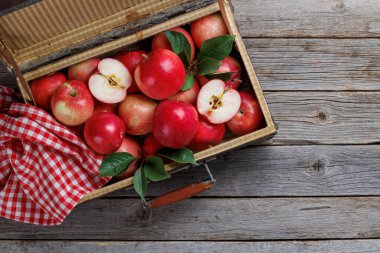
x: 36, y: 41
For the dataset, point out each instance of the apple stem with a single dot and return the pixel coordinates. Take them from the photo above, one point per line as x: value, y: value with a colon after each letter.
x: 237, y: 80
x: 216, y: 102
x: 144, y: 55
x: 73, y: 93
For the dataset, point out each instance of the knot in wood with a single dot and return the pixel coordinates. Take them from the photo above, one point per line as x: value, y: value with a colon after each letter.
x: 322, y: 117
x: 317, y: 167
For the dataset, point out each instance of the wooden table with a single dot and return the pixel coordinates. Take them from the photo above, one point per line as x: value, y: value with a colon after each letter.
x: 314, y: 188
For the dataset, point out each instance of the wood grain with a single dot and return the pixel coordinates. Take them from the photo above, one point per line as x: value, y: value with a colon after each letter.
x: 316, y: 64
x: 213, y: 219
x: 308, y: 18
x: 284, y: 171
x: 306, y: 64
x: 333, y: 246
x: 326, y: 117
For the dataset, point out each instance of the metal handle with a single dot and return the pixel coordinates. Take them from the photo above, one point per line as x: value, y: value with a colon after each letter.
x: 182, y: 193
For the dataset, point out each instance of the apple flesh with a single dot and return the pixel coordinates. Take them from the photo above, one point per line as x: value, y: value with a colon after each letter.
x: 217, y: 102
x: 131, y: 60
x: 160, y: 41
x: 72, y: 103
x: 137, y: 112
x: 132, y: 147
x: 207, y: 28
x: 208, y: 135
x: 83, y: 70
x: 175, y: 123
x: 189, y: 96
x: 110, y: 84
x: 151, y: 145
x: 44, y: 87
x: 229, y: 64
x: 104, y: 132
x: 249, y: 116
x: 161, y: 74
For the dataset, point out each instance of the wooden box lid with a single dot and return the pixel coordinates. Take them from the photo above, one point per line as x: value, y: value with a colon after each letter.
x: 43, y: 28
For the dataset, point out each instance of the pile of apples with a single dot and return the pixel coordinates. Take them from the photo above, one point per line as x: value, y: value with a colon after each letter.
x: 138, y: 93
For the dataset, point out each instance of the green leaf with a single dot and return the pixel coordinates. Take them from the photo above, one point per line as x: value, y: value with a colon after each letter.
x: 217, y: 48
x: 222, y: 76
x: 189, y: 82
x: 183, y: 155
x: 140, y: 182
x: 154, y: 169
x: 115, y: 164
x: 208, y: 66
x: 180, y: 45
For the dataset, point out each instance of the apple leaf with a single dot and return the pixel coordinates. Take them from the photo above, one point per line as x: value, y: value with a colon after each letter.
x: 180, y: 45
x: 140, y: 182
x: 217, y: 48
x: 154, y: 169
x: 183, y: 155
x: 189, y: 82
x: 222, y: 76
x: 115, y: 164
x: 208, y: 66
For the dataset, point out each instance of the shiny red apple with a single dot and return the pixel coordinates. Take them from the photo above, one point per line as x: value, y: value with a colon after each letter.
x: 229, y: 64
x: 160, y: 41
x: 132, y: 147
x: 151, y: 145
x: 249, y: 116
x: 208, y: 135
x: 137, y: 111
x: 189, y: 96
x: 103, y: 107
x: 161, y: 74
x: 44, y: 87
x: 131, y: 60
x: 175, y: 123
x: 72, y: 103
x: 104, y: 132
x: 83, y: 70
x: 207, y: 28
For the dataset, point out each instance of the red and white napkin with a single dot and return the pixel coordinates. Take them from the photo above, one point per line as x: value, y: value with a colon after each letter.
x: 44, y: 168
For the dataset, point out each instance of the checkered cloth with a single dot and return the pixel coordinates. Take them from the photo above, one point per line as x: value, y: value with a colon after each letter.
x: 44, y: 168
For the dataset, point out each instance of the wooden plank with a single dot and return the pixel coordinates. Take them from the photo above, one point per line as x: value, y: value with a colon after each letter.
x: 306, y: 64
x: 216, y: 219
x: 333, y: 246
x: 316, y: 64
x: 308, y: 18
x: 284, y: 171
x: 326, y: 117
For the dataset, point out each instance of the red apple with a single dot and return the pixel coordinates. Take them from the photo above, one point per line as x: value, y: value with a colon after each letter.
x: 208, y: 134
x: 248, y: 118
x: 132, y: 147
x: 161, y: 74
x: 137, y: 111
x: 72, y: 103
x: 104, y: 132
x: 44, y: 87
x: 131, y: 60
x: 83, y: 70
x: 160, y: 41
x: 103, y: 107
x: 175, y: 123
x: 207, y: 28
x: 229, y: 64
x: 151, y: 145
x: 189, y: 96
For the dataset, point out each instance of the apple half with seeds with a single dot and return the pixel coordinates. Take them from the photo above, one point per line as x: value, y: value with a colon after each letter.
x: 217, y: 102
x: 110, y: 84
